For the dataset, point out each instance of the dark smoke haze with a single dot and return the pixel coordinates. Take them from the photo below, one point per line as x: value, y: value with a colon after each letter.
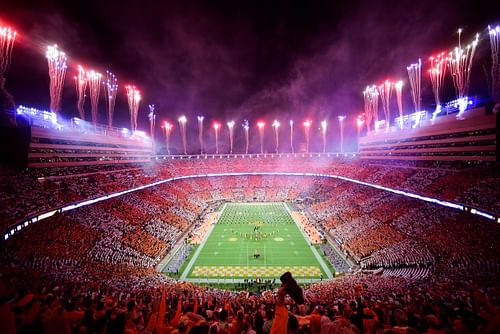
x: 243, y: 59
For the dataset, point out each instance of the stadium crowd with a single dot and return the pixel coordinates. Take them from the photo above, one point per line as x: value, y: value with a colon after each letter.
x: 354, y: 303
x: 92, y: 270
x: 33, y: 191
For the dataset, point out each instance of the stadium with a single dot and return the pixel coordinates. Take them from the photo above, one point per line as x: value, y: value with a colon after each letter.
x: 111, y: 230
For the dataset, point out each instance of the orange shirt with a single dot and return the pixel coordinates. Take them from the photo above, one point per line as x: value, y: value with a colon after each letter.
x: 280, y: 321
x: 315, y: 323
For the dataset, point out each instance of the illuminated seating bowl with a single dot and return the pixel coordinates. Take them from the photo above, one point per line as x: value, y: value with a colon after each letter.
x: 392, y: 239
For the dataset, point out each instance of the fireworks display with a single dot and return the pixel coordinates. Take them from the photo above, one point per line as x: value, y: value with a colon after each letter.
x: 371, y: 105
x: 7, y: 39
x: 307, y: 130
x: 261, y: 125
x: 385, y: 91
x: 200, y: 133
x: 415, y: 76
x: 57, y: 62
x: 94, y: 82
x: 182, y: 124
x: 436, y: 73
x: 460, y: 63
x: 494, y: 34
x: 216, y: 129
x: 276, y: 126
x: 81, y: 86
x: 341, y: 123
x: 323, y: 134
x: 110, y: 90
x: 398, y: 87
x: 230, y: 126
x: 246, y: 127
x: 167, y: 127
x: 133, y: 98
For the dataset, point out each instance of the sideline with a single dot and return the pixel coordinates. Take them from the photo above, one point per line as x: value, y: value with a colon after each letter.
x: 187, y: 270
x: 315, y: 252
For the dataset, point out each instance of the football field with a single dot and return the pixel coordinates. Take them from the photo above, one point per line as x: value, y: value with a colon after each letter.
x: 245, y: 230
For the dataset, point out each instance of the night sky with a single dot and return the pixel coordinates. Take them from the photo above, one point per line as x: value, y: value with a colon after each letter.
x: 243, y: 59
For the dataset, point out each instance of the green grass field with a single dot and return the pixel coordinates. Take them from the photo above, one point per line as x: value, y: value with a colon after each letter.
x: 228, y: 251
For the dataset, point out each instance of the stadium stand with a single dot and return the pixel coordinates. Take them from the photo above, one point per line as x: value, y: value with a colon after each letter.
x: 471, y: 137
x: 94, y: 268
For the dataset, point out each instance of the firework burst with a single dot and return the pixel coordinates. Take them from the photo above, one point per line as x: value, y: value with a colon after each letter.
x: 323, y: 134
x: 460, y: 63
x: 261, y: 126
x: 81, y: 87
x: 246, y: 127
x: 371, y: 96
x: 276, y: 126
x: 230, y: 126
x: 57, y: 62
x: 94, y: 82
x: 182, y: 124
x: 385, y: 91
x: 341, y: 123
x: 167, y: 127
x: 200, y: 133
x: 110, y: 90
x: 398, y: 87
x: 7, y: 39
x: 307, y: 130
x: 415, y: 76
x: 436, y: 73
x: 494, y: 34
x: 216, y: 130
x: 133, y: 98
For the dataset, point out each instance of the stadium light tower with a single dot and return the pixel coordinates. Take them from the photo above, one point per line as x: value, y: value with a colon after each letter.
x: 182, y: 123
x: 341, y: 122
x: 291, y: 135
x: 216, y: 129
x: 261, y: 125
